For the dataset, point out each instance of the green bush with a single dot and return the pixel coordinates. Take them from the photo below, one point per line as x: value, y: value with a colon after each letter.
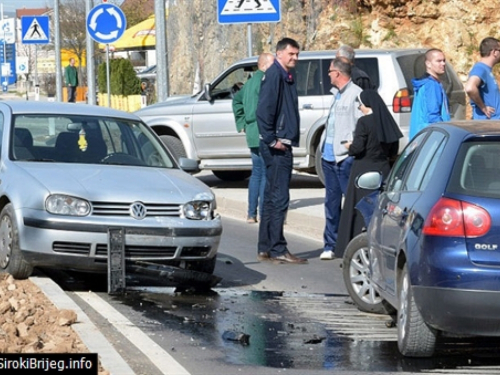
x: 122, y: 78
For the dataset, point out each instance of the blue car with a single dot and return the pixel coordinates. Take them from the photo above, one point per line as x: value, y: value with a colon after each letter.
x: 431, y: 252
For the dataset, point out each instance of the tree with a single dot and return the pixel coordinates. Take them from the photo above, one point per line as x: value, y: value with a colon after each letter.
x: 137, y: 11
x: 73, y: 28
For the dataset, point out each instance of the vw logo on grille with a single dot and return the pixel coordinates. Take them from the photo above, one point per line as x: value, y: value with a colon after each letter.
x: 138, y: 210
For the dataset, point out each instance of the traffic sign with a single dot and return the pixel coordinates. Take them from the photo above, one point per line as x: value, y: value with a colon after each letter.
x: 248, y: 11
x: 106, y: 23
x: 35, y: 30
x: 22, y: 65
x: 7, y: 31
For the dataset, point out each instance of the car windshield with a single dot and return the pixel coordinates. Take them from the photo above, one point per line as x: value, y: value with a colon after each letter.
x: 476, y: 171
x: 86, y: 139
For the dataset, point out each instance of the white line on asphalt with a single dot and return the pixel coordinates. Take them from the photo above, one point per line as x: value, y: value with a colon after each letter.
x: 93, y: 339
x: 160, y: 358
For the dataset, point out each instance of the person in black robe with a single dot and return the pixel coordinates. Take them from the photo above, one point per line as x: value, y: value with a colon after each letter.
x: 374, y: 147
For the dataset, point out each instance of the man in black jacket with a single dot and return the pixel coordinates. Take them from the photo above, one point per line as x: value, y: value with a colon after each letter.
x: 279, y: 129
x: 358, y: 76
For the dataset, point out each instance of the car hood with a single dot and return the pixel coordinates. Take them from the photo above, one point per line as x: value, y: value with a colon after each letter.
x: 170, y: 102
x: 117, y: 183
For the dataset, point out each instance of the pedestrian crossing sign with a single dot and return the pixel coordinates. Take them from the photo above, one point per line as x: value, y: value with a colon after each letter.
x: 35, y: 30
x: 248, y: 11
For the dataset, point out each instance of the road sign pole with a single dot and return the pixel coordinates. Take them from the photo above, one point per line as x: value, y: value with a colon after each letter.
x: 4, y: 80
x: 249, y: 36
x: 108, y: 85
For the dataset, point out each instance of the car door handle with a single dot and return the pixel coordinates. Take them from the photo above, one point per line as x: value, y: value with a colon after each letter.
x: 307, y: 106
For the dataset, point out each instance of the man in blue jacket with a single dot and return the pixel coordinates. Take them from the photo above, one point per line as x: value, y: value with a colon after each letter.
x: 430, y: 103
x: 279, y: 130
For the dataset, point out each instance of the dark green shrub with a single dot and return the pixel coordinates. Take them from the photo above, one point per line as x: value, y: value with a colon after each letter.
x: 122, y: 78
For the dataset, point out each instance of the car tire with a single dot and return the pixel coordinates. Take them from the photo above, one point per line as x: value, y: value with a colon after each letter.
x: 415, y: 337
x: 318, y: 166
x: 175, y: 146
x: 206, y: 266
x: 232, y: 175
x: 355, y: 269
x: 11, y: 259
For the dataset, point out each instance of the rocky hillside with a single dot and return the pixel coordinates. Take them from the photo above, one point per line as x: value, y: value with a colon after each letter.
x: 199, y: 47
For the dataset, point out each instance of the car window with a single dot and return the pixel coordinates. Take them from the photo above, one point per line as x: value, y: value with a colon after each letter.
x: 370, y: 66
x: 425, y: 161
x: 225, y: 87
x: 308, y: 77
x: 87, y: 140
x: 476, y: 170
x: 413, y: 66
x: 396, y: 178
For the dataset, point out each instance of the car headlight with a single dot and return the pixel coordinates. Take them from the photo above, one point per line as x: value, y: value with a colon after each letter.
x: 58, y: 204
x: 198, y: 210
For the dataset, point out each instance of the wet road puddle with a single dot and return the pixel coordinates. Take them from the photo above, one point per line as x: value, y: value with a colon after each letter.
x: 301, y: 331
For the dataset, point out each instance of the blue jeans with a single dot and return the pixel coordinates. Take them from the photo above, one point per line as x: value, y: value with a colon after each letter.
x: 256, y: 184
x: 279, y: 166
x: 336, y: 179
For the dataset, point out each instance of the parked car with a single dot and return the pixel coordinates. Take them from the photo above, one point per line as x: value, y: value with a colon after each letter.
x: 432, y: 250
x: 202, y: 126
x: 70, y: 172
x: 147, y: 75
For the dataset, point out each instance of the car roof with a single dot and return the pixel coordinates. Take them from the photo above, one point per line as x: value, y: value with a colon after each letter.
x: 36, y: 107
x: 473, y: 127
x: 359, y: 52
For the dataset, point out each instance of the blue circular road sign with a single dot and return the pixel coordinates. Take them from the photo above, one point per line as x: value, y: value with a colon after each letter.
x: 106, y: 23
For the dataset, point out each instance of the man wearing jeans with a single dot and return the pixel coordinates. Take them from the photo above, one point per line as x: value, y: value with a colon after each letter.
x: 244, y: 109
x: 279, y: 127
x: 335, y: 161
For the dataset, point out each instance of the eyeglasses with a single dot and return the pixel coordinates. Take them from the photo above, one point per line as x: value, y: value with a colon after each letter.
x: 333, y: 70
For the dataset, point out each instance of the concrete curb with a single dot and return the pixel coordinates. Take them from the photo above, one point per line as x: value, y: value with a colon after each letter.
x: 93, y: 339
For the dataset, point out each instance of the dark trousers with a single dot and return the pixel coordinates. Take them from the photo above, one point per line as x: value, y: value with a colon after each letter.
x: 71, y: 94
x: 276, y: 199
x: 336, y: 179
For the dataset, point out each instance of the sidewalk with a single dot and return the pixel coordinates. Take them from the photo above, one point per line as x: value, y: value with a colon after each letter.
x: 306, y: 212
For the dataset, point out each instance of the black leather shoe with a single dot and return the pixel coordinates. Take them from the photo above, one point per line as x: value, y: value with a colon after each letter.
x: 263, y: 256
x: 289, y: 258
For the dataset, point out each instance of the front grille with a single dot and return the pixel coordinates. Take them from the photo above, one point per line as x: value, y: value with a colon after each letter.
x: 71, y: 248
x: 123, y: 209
x: 195, y: 251
x: 140, y: 251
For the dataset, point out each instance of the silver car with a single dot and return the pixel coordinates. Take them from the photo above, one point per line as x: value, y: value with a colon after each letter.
x: 71, y: 172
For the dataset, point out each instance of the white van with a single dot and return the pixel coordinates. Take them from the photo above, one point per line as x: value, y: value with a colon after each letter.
x: 202, y: 126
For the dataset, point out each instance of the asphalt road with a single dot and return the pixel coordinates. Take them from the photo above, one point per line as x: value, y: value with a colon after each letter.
x: 298, y: 317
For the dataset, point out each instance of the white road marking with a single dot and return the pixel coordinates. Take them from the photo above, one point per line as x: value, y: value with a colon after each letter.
x: 159, y: 357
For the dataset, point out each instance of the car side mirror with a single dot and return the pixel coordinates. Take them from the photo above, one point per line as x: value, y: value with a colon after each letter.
x: 208, y: 92
x: 189, y: 165
x: 369, y: 180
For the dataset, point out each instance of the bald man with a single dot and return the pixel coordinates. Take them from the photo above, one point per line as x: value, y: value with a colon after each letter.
x: 244, y: 108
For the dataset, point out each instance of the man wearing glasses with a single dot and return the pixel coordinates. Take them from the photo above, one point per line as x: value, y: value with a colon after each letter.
x: 336, y: 163
x: 482, y: 87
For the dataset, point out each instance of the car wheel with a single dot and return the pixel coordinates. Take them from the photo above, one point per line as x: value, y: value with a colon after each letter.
x: 232, y: 175
x: 175, y: 146
x: 207, y: 266
x: 415, y: 337
x: 318, y: 166
x: 355, y: 269
x: 11, y: 259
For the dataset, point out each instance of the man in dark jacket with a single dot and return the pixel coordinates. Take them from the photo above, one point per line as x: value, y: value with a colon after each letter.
x: 358, y: 76
x: 279, y: 128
